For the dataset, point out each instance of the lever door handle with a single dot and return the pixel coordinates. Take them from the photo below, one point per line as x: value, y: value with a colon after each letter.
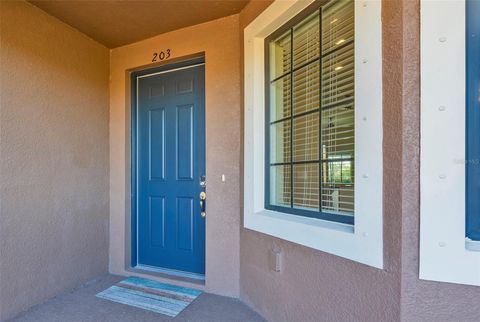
x: 203, y: 197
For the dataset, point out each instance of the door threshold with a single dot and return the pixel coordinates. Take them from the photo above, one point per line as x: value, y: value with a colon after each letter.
x: 170, y: 274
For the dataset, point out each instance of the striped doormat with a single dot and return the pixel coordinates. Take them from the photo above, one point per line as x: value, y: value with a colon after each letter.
x: 151, y: 295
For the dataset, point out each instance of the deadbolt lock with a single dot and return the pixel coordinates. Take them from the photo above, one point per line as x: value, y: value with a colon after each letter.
x: 203, y: 182
x: 203, y: 195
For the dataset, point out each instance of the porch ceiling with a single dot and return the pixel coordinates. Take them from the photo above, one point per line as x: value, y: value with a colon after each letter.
x: 116, y: 23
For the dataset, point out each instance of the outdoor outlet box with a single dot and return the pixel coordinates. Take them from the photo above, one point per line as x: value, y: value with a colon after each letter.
x: 275, y: 260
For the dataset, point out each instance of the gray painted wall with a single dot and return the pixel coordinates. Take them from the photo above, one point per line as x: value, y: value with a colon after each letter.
x: 53, y: 157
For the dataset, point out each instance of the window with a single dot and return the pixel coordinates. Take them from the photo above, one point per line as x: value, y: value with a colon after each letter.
x: 310, y: 112
x: 313, y: 126
x: 473, y: 121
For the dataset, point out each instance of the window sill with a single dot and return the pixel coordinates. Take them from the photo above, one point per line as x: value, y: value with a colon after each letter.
x: 323, y: 216
x: 472, y: 245
x: 331, y: 237
x: 310, y: 221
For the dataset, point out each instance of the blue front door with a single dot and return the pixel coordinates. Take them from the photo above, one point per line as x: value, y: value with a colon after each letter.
x: 170, y: 162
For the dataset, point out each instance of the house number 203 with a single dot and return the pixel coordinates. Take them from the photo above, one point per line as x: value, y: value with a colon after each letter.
x: 161, y: 55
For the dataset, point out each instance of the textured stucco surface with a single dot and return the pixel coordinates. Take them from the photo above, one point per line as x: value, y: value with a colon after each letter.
x: 53, y: 157
x: 422, y: 300
x: 319, y: 287
x: 54, y: 162
x: 105, y: 20
x: 219, y: 40
x: 315, y: 286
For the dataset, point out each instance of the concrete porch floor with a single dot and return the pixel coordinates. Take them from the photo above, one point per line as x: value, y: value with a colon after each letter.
x: 82, y: 305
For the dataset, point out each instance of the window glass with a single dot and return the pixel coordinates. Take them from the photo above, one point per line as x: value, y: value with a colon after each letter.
x: 280, y: 55
x: 280, y: 185
x: 310, y: 135
x: 306, y: 40
x: 280, y: 98
x: 473, y: 120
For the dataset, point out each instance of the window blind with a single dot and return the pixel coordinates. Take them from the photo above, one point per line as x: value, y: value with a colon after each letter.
x: 311, y: 113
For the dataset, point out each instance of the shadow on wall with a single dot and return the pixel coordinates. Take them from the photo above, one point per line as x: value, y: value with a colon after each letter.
x: 54, y: 157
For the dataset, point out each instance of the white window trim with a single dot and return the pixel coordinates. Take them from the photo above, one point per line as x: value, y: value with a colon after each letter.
x: 443, y: 253
x: 362, y: 242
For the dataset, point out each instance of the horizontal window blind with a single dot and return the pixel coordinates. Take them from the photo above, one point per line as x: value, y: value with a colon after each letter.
x: 311, y: 113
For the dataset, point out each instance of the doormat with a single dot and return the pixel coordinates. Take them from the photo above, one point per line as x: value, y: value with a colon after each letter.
x: 151, y: 295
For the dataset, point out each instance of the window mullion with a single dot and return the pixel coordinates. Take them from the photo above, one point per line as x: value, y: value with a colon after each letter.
x: 292, y: 80
x: 320, y: 150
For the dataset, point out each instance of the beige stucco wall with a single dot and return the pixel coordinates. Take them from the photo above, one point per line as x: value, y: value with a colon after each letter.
x: 315, y: 286
x: 54, y: 170
x: 53, y: 157
x: 219, y: 40
x: 421, y: 300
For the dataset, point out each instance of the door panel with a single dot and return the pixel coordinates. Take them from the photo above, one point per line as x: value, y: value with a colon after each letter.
x: 170, y: 162
x: 156, y: 213
x: 157, y: 143
x: 185, y: 218
x: 185, y: 142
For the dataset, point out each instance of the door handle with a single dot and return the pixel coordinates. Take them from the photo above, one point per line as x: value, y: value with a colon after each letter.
x: 203, y: 197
